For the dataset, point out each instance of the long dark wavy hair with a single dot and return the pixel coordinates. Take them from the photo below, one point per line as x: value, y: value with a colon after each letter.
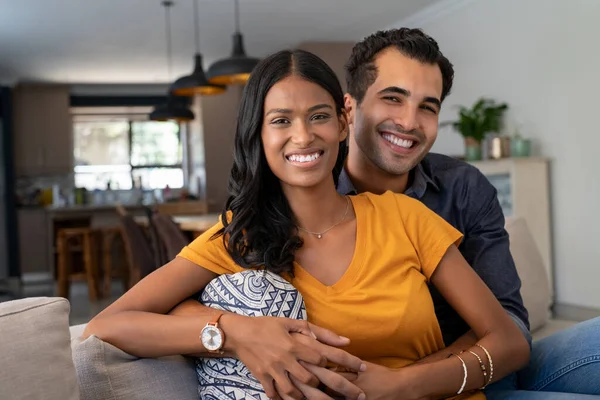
x: 261, y: 231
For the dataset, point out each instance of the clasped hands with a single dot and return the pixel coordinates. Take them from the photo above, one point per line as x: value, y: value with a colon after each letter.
x: 290, y: 358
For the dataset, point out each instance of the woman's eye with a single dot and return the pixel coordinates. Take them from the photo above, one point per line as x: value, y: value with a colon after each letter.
x: 320, y: 117
x: 279, y: 121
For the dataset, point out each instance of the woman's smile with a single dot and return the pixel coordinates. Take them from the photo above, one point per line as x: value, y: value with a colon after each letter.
x: 307, y: 158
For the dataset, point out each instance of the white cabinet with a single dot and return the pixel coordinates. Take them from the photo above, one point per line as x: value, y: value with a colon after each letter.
x: 523, y: 191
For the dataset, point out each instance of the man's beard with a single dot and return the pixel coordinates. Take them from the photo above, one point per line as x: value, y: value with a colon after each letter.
x: 385, y: 159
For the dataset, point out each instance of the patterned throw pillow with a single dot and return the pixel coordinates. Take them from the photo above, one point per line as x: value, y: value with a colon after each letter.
x: 251, y: 293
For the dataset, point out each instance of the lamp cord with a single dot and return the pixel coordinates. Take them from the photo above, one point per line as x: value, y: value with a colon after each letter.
x: 168, y: 5
x: 196, y: 26
x: 237, y: 16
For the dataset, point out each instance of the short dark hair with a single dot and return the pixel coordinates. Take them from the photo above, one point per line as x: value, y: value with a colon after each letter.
x: 361, y: 71
x: 262, y: 231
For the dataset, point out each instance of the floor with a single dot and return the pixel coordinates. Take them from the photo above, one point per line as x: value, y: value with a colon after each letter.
x: 82, y: 309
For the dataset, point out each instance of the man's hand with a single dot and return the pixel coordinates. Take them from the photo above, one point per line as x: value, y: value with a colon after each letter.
x: 382, y: 383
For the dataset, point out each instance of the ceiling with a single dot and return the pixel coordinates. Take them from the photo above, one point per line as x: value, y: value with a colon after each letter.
x: 123, y: 41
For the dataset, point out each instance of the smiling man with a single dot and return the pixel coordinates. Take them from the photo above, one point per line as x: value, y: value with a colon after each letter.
x: 397, y: 81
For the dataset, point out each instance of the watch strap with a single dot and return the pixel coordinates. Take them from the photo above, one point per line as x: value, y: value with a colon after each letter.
x: 215, y: 320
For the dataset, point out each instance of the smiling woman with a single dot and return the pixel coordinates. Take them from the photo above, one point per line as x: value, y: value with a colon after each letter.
x: 291, y: 132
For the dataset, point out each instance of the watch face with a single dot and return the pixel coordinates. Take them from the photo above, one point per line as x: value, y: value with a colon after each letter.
x: 211, y: 338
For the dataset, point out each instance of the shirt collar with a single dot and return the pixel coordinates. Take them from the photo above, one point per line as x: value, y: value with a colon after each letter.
x: 419, y: 185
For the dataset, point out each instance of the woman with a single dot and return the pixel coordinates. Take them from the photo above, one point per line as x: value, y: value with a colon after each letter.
x: 361, y: 264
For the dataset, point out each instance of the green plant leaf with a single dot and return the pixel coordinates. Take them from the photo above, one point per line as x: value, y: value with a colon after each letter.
x: 483, y: 117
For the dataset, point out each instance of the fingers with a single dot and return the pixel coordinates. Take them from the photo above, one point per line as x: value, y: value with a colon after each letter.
x: 336, y: 382
x: 328, y: 337
x: 285, y: 387
x: 301, y: 374
x: 327, y: 353
x: 350, y: 376
x: 310, y: 392
x: 342, y: 358
x: 269, y: 387
x: 305, y: 348
x: 300, y: 326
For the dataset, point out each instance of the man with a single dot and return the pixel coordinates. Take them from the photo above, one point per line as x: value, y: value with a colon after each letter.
x: 397, y: 81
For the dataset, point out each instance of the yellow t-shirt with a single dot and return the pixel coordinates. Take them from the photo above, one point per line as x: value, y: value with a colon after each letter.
x: 382, y: 302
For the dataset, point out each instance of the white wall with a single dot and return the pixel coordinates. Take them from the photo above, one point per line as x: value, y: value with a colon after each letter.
x: 543, y: 58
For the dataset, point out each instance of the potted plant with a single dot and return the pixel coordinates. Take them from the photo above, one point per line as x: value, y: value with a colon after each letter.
x: 474, y: 123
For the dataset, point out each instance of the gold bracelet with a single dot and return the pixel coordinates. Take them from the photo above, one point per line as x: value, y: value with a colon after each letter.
x: 483, y: 369
x: 464, y: 365
x: 491, y: 364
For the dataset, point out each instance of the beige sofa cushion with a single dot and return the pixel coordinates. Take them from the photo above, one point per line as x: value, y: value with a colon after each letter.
x: 535, y: 286
x: 553, y: 326
x: 106, y: 372
x: 34, y: 345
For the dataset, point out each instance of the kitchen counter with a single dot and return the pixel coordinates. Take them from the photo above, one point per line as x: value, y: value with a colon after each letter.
x: 192, y: 223
x: 90, y: 208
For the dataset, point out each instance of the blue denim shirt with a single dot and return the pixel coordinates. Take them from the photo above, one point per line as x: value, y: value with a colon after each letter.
x: 463, y: 196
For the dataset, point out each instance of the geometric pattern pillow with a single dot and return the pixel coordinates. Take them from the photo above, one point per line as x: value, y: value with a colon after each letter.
x: 250, y: 293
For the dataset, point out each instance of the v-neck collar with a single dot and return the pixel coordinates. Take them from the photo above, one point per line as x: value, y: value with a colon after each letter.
x: 349, y: 276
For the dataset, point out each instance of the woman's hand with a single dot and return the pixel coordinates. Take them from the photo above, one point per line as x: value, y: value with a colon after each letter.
x: 273, y: 348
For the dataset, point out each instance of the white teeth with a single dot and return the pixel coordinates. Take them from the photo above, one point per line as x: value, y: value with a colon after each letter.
x: 397, y: 141
x: 304, y: 157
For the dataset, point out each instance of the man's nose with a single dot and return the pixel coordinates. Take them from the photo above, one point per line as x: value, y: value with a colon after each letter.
x: 407, y: 118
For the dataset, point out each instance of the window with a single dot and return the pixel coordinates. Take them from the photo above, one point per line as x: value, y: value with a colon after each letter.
x: 126, y: 150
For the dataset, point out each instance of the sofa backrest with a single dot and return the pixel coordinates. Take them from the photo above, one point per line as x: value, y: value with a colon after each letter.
x: 535, y: 286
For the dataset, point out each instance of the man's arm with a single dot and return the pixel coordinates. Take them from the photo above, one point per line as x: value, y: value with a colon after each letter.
x: 466, y: 341
x: 486, y: 248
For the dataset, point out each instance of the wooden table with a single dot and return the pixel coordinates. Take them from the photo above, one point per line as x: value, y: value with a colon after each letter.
x: 190, y: 223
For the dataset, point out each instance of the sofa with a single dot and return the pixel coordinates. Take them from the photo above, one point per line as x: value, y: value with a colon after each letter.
x: 44, y: 358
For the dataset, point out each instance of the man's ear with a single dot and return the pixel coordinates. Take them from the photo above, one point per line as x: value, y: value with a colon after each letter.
x: 344, y: 129
x: 350, y: 107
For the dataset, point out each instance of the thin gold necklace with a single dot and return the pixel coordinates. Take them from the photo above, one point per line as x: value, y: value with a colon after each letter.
x: 319, y: 235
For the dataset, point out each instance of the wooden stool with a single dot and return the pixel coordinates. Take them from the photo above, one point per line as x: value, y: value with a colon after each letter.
x: 109, y: 235
x: 86, y: 240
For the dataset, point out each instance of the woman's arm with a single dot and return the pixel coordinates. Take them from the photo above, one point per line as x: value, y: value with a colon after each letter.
x: 495, y: 330
x: 136, y: 322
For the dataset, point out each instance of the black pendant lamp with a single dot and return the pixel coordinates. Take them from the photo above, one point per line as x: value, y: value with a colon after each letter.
x: 237, y: 68
x: 196, y: 83
x: 171, y: 111
x: 174, y: 109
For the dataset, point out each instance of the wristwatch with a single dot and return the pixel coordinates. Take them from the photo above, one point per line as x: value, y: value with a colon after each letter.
x: 212, y: 336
